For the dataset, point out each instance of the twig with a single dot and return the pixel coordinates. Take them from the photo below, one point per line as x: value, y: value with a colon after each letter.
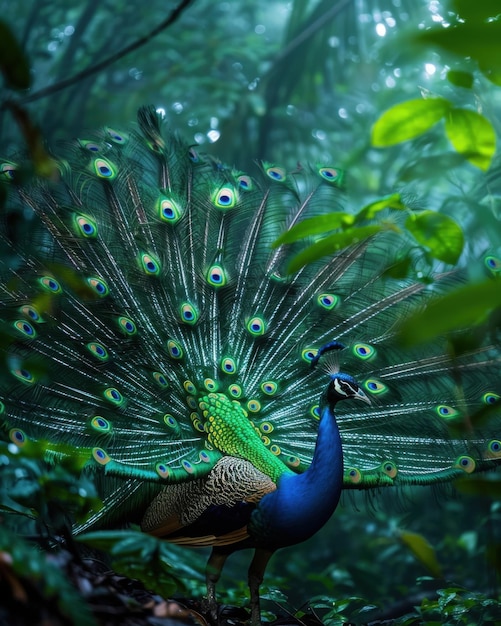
x: 175, y: 14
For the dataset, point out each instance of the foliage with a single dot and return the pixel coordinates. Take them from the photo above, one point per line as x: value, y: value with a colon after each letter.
x: 25, y: 570
x: 160, y: 566
x: 306, y: 88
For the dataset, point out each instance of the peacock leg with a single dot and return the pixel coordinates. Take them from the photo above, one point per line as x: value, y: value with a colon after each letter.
x: 213, y: 571
x: 256, y: 575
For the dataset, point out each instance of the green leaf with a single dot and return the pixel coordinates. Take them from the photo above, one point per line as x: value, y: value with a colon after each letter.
x: 331, y: 244
x: 14, y: 64
x: 423, y: 552
x: 465, y: 307
x: 492, y: 71
x: 369, y: 211
x: 439, y: 233
x: 407, y: 120
x: 317, y: 225
x: 476, y: 11
x: 472, y: 135
x: 460, y: 79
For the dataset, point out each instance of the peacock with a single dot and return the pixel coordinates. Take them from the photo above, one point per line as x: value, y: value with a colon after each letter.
x: 152, y: 331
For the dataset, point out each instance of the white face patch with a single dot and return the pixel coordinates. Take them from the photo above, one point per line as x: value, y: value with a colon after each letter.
x: 343, y: 388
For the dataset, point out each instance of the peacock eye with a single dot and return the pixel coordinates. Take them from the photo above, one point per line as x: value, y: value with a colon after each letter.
x: 490, y: 397
x: 447, y: 412
x: 100, y: 456
x: 228, y: 365
x: 364, y: 351
x: 269, y: 387
x: 354, y: 475
x: 266, y: 428
x: 210, y: 384
x: 276, y: 173
x: 104, y: 169
x: 114, y: 396
x: 235, y: 391
x: 308, y: 354
x: 25, y: 329
x: 8, y: 170
x: 494, y: 449
x: 293, y: 461
x: 466, y: 463
x: 187, y: 466
x: 256, y: 326
x: 98, y: 286
x: 493, y: 263
x: 389, y: 468
x: 225, y: 198
x: 315, y: 411
x: 189, y: 387
x: 332, y: 175
x: 91, y: 146
x: 204, y: 457
x: 174, y: 349
x: 216, y: 276
x: 162, y: 470
x: 98, y: 350
x: 101, y: 424
x: 18, y: 437
x: 374, y: 386
x: 85, y: 226
x: 169, y: 210
x: 327, y: 301
x: 50, y: 284
x: 170, y: 421
x: 160, y: 379
x: 254, y: 406
x: 245, y: 182
x: 150, y: 264
x: 116, y: 137
x: 189, y: 314
x: 127, y: 325
x: 30, y: 311
x: 23, y: 374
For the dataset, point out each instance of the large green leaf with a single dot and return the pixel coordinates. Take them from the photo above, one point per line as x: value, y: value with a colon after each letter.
x: 408, y: 120
x: 465, y: 307
x: 369, y: 211
x: 472, y: 135
x: 439, y: 233
x: 479, y: 10
x: 332, y: 244
x: 317, y: 225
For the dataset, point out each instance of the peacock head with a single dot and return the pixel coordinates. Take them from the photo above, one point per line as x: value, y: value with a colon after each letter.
x: 344, y: 387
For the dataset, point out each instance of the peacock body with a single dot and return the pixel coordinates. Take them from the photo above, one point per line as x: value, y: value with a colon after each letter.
x: 154, y: 334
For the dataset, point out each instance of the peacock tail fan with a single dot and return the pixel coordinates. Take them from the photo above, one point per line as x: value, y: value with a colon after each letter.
x: 150, y: 303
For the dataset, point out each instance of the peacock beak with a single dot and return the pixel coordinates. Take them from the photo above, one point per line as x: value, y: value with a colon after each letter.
x: 360, y: 395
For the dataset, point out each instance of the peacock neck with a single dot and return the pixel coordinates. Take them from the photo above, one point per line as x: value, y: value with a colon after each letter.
x: 303, y: 503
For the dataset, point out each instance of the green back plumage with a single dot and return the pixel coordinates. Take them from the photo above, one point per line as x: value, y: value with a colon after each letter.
x: 152, y: 326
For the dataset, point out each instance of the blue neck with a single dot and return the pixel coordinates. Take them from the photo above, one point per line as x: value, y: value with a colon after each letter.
x: 303, y: 503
